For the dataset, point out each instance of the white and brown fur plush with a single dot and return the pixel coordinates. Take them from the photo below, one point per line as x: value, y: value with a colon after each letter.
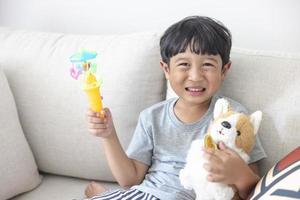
x: 237, y: 131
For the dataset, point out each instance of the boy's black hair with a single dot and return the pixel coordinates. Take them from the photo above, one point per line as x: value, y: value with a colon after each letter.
x: 203, y: 35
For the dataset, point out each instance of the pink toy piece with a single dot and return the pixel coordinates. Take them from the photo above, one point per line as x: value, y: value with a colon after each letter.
x: 75, y: 73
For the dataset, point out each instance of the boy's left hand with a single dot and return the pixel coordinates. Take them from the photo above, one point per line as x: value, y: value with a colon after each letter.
x: 224, y: 165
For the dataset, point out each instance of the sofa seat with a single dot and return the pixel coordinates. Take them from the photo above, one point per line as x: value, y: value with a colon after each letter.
x: 60, y: 187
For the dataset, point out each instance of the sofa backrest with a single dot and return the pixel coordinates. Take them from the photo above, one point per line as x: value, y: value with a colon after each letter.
x: 268, y: 82
x: 52, y: 105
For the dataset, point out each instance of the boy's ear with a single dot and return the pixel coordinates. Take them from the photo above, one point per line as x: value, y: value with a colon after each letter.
x: 165, y: 68
x: 225, y: 69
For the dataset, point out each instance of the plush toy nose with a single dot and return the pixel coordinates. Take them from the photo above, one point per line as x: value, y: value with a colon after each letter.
x: 226, y: 124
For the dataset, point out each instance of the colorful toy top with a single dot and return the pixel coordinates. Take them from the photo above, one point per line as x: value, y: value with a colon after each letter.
x: 83, y: 66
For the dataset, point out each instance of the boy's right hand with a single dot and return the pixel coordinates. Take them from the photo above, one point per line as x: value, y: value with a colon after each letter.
x: 100, y: 124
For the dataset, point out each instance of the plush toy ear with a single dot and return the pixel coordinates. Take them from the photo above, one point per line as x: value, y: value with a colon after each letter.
x: 255, y: 120
x: 221, y: 106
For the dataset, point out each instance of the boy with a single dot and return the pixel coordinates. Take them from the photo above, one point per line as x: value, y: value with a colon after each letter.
x: 195, y: 59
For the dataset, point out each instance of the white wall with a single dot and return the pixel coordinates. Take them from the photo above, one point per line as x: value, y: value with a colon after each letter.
x: 255, y: 24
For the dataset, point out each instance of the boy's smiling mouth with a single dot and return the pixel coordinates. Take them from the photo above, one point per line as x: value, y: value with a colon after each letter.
x: 195, y: 91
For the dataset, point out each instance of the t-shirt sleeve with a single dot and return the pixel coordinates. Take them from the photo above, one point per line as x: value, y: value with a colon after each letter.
x: 257, y: 152
x: 141, y: 145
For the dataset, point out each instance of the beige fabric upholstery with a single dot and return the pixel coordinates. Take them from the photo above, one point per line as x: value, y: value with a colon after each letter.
x: 269, y: 82
x: 61, y: 188
x: 52, y: 105
x: 18, y: 170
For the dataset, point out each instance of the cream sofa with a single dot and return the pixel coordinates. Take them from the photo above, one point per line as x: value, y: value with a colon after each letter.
x: 46, y: 151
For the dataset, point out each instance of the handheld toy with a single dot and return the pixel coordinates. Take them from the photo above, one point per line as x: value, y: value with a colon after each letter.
x: 237, y: 131
x: 84, y: 66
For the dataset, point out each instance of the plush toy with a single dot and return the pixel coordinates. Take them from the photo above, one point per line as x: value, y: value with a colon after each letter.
x: 237, y: 131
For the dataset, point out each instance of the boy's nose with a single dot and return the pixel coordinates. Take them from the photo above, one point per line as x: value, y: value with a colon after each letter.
x: 195, y: 74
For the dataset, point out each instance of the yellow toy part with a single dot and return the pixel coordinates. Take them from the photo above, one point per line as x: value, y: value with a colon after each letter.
x: 209, y: 143
x: 92, y: 88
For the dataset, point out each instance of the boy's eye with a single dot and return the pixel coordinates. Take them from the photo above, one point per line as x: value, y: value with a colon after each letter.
x: 208, y: 65
x: 183, y: 64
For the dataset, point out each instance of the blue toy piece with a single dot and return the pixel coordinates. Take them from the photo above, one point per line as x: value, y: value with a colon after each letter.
x: 83, y: 56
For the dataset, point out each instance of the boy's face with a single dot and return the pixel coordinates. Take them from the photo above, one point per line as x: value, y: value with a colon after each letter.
x: 195, y: 78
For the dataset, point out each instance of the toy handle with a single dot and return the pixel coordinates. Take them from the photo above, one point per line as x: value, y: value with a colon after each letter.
x: 95, y: 100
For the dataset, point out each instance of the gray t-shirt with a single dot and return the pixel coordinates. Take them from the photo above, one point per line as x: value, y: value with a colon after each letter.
x: 162, y: 141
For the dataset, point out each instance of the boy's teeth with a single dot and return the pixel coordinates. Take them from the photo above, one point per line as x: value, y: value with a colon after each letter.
x: 195, y: 89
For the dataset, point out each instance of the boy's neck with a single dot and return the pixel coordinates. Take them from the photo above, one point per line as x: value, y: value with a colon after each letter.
x: 190, y: 113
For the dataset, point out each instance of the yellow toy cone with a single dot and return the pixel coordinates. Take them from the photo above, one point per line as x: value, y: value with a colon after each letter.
x: 92, y: 88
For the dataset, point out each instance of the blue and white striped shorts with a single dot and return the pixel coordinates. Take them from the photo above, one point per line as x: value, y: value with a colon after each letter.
x: 132, y: 194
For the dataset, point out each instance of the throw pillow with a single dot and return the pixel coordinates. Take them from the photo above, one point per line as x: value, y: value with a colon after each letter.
x: 282, y: 181
x: 18, y: 170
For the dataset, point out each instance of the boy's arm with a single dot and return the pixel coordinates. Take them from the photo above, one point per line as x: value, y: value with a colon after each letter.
x: 246, y: 183
x: 127, y: 172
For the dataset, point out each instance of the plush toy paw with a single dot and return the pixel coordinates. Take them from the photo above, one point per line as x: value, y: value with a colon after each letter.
x: 184, y: 179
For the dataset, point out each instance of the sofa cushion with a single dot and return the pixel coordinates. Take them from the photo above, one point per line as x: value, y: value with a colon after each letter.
x: 282, y: 180
x: 18, y: 169
x: 52, y: 105
x: 267, y: 81
x: 61, y: 188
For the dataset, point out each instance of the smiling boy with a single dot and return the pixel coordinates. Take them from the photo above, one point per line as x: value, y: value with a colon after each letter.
x: 195, y: 59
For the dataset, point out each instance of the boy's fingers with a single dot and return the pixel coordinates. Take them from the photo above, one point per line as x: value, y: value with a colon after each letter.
x: 102, y: 114
x: 214, y: 178
x: 225, y: 148
x: 106, y: 112
x: 208, y: 156
x: 208, y: 167
x: 222, y: 146
x: 96, y: 120
x: 208, y: 150
x: 95, y: 132
x: 91, y: 113
x: 97, y: 126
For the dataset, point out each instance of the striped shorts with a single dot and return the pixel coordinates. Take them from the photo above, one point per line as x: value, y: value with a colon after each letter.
x: 132, y: 194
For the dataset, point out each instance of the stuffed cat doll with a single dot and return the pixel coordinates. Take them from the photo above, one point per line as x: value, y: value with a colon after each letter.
x: 237, y: 131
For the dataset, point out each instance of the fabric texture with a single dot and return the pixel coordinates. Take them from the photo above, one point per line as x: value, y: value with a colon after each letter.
x: 282, y: 180
x: 55, y: 187
x: 52, y: 105
x: 18, y: 170
x: 162, y: 142
x: 268, y: 82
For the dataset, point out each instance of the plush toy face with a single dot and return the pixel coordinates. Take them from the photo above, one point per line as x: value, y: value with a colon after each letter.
x: 236, y: 130
x: 225, y: 130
